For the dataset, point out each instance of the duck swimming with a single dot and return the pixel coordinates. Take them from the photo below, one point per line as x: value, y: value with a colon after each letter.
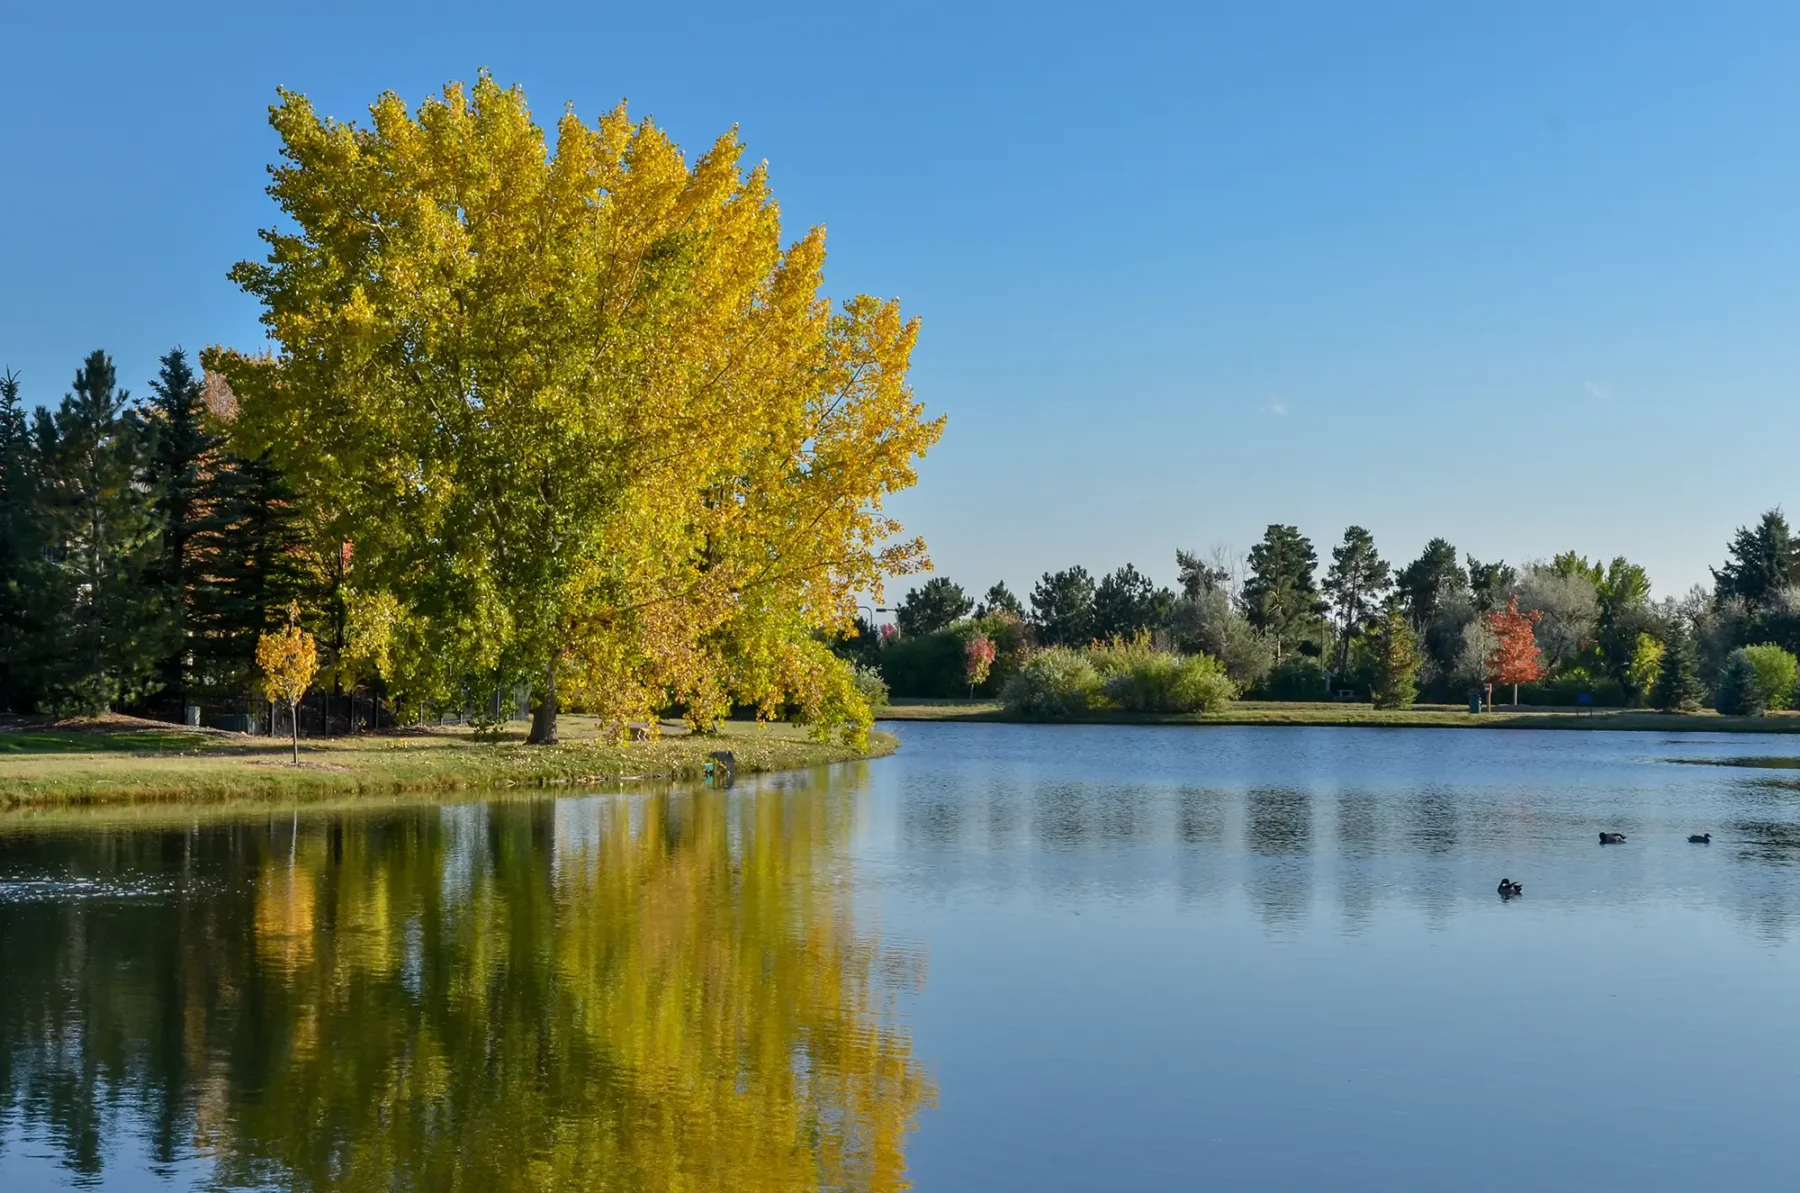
x: 1612, y: 838
x: 1508, y: 888
x: 1699, y: 838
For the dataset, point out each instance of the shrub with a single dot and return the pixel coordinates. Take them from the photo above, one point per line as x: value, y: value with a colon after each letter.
x: 1052, y: 683
x: 1160, y: 681
x: 1566, y: 689
x: 1777, y: 671
x: 874, y: 689
x: 1738, y: 694
x: 1298, y: 678
x: 928, y: 665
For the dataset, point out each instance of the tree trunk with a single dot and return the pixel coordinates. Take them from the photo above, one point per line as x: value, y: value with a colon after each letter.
x: 543, y: 717
x: 294, y: 726
x: 1515, y: 695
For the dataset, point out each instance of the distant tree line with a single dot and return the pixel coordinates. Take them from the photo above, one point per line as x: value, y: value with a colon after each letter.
x: 1554, y: 630
x: 140, y: 557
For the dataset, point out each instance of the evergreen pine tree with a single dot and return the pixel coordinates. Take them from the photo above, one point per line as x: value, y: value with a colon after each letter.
x: 1677, y: 681
x: 182, y: 455
x: 1280, y: 597
x: 20, y: 548
x: 252, y: 544
x: 101, y: 524
x: 1395, y: 662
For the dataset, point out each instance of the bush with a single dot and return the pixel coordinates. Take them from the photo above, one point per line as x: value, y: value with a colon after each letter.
x: 1298, y: 678
x: 874, y: 689
x: 929, y: 665
x: 1161, y: 681
x: 1738, y: 693
x: 1777, y: 671
x: 1052, y: 683
x: 1565, y: 690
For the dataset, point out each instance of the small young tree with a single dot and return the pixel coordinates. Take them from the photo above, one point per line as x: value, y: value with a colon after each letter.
x: 1516, y: 658
x: 1395, y: 654
x: 288, y: 658
x: 1677, y: 680
x: 1646, y: 662
x: 978, y: 655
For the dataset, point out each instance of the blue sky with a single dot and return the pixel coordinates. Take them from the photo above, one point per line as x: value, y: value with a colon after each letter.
x: 1524, y: 276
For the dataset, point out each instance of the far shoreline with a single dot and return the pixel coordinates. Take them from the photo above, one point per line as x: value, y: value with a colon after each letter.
x: 1364, y: 716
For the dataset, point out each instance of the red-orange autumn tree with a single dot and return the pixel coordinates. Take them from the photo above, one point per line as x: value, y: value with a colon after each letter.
x: 1515, y: 658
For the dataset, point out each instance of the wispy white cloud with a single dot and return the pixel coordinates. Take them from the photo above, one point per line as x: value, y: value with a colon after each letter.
x: 1278, y: 409
x: 1600, y: 389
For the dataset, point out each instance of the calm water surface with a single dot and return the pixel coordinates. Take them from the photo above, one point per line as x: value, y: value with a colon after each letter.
x: 1009, y: 958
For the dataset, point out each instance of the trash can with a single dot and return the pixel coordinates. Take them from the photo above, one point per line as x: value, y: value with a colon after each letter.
x: 1474, y: 700
x: 190, y: 716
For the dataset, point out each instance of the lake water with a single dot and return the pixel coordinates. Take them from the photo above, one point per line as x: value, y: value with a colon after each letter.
x: 1008, y: 958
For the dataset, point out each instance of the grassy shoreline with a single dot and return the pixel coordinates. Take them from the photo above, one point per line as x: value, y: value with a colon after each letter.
x: 1441, y: 716
x: 122, y: 761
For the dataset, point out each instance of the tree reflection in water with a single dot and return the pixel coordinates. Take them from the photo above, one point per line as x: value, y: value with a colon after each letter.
x: 651, y: 992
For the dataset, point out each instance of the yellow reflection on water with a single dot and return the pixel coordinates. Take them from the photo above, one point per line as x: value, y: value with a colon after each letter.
x: 667, y: 992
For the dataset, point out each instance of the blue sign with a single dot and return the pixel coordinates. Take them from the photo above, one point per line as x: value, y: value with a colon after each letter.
x: 1584, y: 697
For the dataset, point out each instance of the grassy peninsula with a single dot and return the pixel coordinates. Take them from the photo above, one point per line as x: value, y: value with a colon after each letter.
x: 1450, y: 716
x: 112, y: 760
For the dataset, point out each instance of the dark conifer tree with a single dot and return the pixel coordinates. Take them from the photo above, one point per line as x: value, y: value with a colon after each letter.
x: 252, y: 539
x: 104, y: 622
x: 1763, y: 561
x: 182, y: 457
x: 20, y: 548
x: 1678, y: 681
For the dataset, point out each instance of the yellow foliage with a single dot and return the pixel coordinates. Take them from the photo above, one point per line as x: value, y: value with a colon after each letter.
x: 585, y: 418
x: 288, y: 659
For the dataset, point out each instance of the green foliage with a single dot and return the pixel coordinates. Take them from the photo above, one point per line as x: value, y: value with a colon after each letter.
x: 1000, y: 599
x: 100, y: 615
x: 1280, y: 598
x: 1490, y: 583
x: 1762, y: 561
x: 1393, y: 662
x: 1776, y: 673
x: 1139, y: 678
x: 1568, y: 608
x: 1565, y: 690
x: 873, y: 688
x: 254, y: 544
x: 21, y: 549
x: 1208, y: 624
x: 1677, y: 682
x: 1056, y: 682
x: 1355, y: 583
x: 1299, y: 677
x: 1126, y: 603
x: 932, y: 606
x: 1739, y: 694
x: 861, y: 644
x: 178, y: 472
x: 928, y: 665
x: 1062, y: 608
x: 1196, y: 577
x: 1645, y: 665
x: 1431, y: 579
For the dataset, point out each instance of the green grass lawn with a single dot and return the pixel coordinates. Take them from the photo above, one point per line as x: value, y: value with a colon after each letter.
x: 123, y: 760
x: 1273, y: 712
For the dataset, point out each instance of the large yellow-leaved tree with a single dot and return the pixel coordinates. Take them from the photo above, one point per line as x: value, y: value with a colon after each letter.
x: 589, y: 424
